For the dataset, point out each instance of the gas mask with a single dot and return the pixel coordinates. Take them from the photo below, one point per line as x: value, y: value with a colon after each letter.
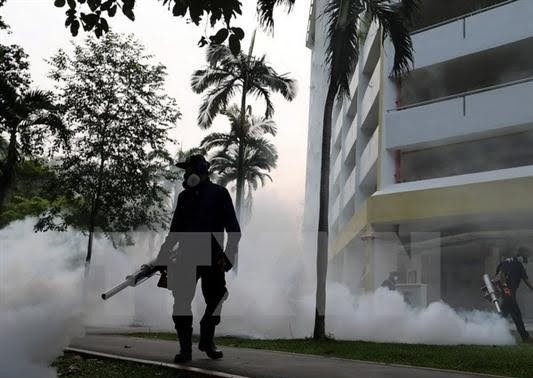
x: 191, y: 180
x: 522, y: 259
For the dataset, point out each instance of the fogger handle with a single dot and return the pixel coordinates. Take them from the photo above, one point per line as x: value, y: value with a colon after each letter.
x: 108, y: 294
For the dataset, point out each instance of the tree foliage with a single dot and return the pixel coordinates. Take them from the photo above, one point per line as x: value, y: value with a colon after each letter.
x: 119, y: 116
x: 14, y: 67
x: 227, y: 74
x: 93, y: 15
x: 27, y: 117
x: 265, y: 10
x: 34, y: 191
x: 260, y: 154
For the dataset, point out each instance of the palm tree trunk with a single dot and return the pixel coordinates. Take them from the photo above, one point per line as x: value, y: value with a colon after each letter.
x: 240, y: 162
x: 9, y: 168
x: 323, y: 222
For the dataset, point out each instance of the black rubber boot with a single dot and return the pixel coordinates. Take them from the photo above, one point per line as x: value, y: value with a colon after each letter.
x: 184, y: 330
x: 207, y: 344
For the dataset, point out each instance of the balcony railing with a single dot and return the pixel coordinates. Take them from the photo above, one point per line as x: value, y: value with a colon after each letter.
x: 510, y: 22
x: 496, y: 110
x: 462, y: 95
x: 461, y: 17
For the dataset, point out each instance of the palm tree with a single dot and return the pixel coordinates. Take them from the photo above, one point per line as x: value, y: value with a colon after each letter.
x: 343, y: 19
x: 259, y: 157
x: 27, y: 118
x: 225, y: 75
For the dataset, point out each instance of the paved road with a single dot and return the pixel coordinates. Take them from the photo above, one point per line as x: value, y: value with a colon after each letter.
x: 255, y: 363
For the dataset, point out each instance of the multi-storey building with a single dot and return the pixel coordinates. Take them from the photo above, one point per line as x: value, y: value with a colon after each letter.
x: 431, y: 176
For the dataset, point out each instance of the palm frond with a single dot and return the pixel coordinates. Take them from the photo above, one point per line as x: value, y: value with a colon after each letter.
x: 262, y: 126
x: 279, y: 83
x: 394, y: 21
x: 233, y: 113
x: 214, y: 102
x: 215, y: 140
x: 52, y: 121
x: 37, y: 100
x: 203, y: 79
x: 342, y: 51
x: 260, y: 91
x: 265, y: 11
x: 220, y: 56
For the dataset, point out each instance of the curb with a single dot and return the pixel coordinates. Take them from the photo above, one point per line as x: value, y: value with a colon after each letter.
x: 367, y: 362
x: 199, y: 371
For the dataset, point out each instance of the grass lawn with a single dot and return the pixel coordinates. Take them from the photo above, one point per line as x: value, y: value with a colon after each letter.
x: 74, y: 366
x: 513, y: 361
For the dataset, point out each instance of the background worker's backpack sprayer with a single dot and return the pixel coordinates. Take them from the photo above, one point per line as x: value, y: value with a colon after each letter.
x: 495, y: 289
x: 492, y: 291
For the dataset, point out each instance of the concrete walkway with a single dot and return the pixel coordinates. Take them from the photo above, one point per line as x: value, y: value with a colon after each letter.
x: 242, y: 362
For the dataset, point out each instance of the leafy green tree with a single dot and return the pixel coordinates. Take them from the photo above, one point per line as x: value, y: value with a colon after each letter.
x: 92, y: 15
x: 27, y: 117
x: 119, y: 116
x: 343, y: 19
x: 14, y: 67
x: 226, y: 75
x: 259, y: 158
x: 34, y: 191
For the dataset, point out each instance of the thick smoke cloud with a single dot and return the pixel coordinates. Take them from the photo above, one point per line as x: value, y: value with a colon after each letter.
x: 40, y: 295
x: 271, y: 297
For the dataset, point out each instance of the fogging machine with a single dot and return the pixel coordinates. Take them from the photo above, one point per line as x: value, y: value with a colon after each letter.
x: 491, y: 291
x: 138, y: 277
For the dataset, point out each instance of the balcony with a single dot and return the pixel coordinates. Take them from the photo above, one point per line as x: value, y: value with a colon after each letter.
x: 486, y: 112
x: 349, y: 189
x: 369, y: 157
x: 479, y: 31
x: 468, y: 157
x: 371, y: 48
x: 336, y: 131
x: 334, y: 211
x: 336, y: 168
x: 502, y: 65
x: 369, y: 103
x: 354, y: 84
x: 350, y: 143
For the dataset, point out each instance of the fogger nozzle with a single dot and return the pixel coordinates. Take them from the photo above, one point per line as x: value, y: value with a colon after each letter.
x: 490, y: 293
x: 138, y: 277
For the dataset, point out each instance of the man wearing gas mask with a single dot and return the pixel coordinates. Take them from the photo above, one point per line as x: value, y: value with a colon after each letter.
x: 203, y: 212
x: 391, y: 281
x: 511, y: 272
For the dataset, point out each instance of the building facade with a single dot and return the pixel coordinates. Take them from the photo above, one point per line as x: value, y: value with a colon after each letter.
x: 431, y: 176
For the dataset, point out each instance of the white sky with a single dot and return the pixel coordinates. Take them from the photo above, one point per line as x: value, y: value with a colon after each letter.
x: 38, y: 27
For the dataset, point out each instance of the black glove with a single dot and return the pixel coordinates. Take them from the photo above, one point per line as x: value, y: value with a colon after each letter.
x: 224, y: 263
